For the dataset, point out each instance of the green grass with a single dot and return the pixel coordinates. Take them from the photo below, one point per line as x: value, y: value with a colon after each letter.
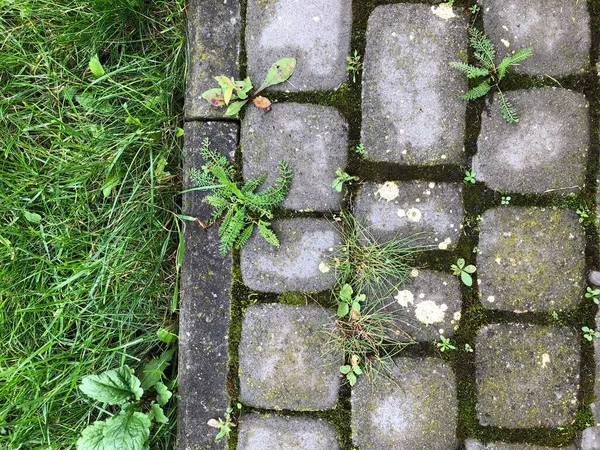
x: 87, y: 236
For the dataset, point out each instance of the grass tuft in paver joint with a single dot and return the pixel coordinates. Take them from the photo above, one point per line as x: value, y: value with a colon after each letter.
x: 489, y: 73
x: 241, y: 208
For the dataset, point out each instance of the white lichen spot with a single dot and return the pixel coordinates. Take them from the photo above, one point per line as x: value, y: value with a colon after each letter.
x: 545, y: 359
x: 413, y: 214
x: 505, y: 42
x: 421, y: 295
x: 429, y: 312
x: 498, y: 260
x: 457, y: 316
x: 389, y: 190
x: 505, y: 27
x: 323, y: 267
x: 431, y: 185
x: 491, y: 299
x: 444, y: 245
x: 414, y: 273
x: 401, y: 213
x: 411, y: 36
x: 443, y: 11
x: 317, y: 19
x: 444, y: 156
x: 441, y: 331
x: 427, y: 192
x: 404, y: 298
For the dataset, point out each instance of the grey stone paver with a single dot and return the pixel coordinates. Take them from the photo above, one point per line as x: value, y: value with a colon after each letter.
x: 472, y: 444
x: 432, y: 210
x: 214, y: 49
x: 299, y: 264
x: 316, y: 33
x: 557, y: 30
x: 589, y: 439
x: 412, y: 111
x: 284, y: 359
x: 259, y: 432
x: 205, y: 292
x: 531, y: 259
x: 527, y: 375
x: 417, y: 411
x: 312, y: 139
x: 545, y: 152
x: 427, y: 305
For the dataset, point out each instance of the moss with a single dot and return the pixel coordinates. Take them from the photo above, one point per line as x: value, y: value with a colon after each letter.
x: 292, y: 298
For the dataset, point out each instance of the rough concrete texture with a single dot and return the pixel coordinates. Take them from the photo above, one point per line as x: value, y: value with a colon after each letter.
x: 205, y: 292
x: 284, y: 359
x: 545, y: 152
x: 417, y: 410
x: 472, y: 444
x: 214, y: 48
x: 316, y: 33
x: 260, y: 432
x: 596, y: 404
x: 412, y: 111
x: 311, y: 139
x: 433, y: 211
x: 527, y: 375
x: 589, y: 439
x: 427, y: 305
x: 531, y: 259
x: 299, y: 264
x: 558, y: 31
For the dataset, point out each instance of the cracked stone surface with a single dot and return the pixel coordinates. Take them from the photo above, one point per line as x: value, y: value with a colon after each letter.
x: 427, y: 305
x: 531, y: 259
x: 417, y: 411
x: 316, y: 33
x: 527, y: 375
x: 271, y: 432
x: 284, y: 360
x: 472, y: 444
x: 433, y: 211
x: 557, y: 30
x: 312, y: 139
x: 412, y: 111
x: 545, y: 152
x: 299, y: 264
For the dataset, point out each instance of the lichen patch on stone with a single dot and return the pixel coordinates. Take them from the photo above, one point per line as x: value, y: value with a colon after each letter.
x: 413, y: 214
x: 444, y: 11
x: 429, y: 312
x: 388, y: 190
x: 405, y: 297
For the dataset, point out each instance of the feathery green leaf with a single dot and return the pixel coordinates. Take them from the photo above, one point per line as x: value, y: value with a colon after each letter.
x: 511, y: 60
x: 469, y: 70
x: 483, y: 47
x: 507, y: 110
x: 477, y: 91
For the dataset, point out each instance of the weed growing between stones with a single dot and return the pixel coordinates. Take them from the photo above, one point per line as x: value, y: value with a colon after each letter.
x: 240, y: 206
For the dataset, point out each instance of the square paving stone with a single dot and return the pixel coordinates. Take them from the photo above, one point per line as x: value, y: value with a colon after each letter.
x: 270, y: 432
x: 316, y: 33
x: 527, y: 376
x: 284, y: 359
x: 311, y: 139
x: 299, y: 264
x: 558, y: 31
x: 412, y: 110
x: 545, y: 151
x: 432, y: 210
x: 531, y: 259
x: 472, y: 444
x: 427, y: 305
x: 417, y: 410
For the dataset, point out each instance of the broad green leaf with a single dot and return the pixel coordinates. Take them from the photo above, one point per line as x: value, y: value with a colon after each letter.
x: 166, y: 336
x: 351, y: 378
x: 96, y: 67
x: 243, y: 87
x: 235, y: 108
x: 460, y: 262
x: 466, y: 278
x: 113, y: 386
x: 163, y: 394
x: 179, y: 132
x: 278, y: 73
x: 345, y: 369
x: 262, y: 103
x: 92, y: 437
x: 357, y: 370
x: 227, y: 85
x: 343, y: 309
x: 356, y: 306
x: 158, y: 414
x: 32, y: 217
x: 470, y: 269
x: 214, y: 97
x: 346, y: 292
x: 152, y: 373
x: 360, y: 298
x: 111, y: 182
x: 128, y: 430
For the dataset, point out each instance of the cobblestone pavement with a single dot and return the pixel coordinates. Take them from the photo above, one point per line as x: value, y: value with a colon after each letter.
x: 522, y: 375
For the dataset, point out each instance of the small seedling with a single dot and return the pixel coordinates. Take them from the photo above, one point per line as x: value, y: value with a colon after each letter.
x: 354, y: 65
x: 555, y: 315
x: 352, y: 370
x: 474, y: 9
x: 584, y: 213
x: 593, y: 294
x: 346, y: 303
x: 226, y: 426
x: 590, y: 334
x: 360, y: 149
x: 468, y: 348
x: 229, y: 89
x: 464, y: 271
x: 490, y: 74
x: 505, y: 200
x: 444, y: 345
x: 341, y: 178
x: 469, y: 177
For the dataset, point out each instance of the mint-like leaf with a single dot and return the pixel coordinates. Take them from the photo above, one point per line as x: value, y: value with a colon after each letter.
x: 113, y: 387
x: 92, y: 437
x: 163, y: 395
x: 158, y: 414
x: 153, y: 371
x: 128, y: 430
